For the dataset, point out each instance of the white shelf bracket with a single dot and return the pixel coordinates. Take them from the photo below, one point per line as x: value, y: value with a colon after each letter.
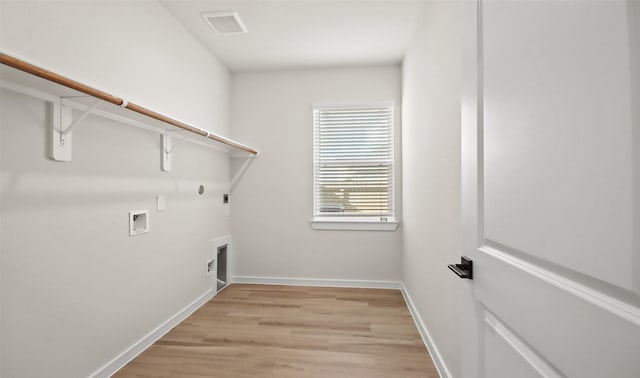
x: 167, y: 148
x: 60, y: 143
x: 166, y: 152
x: 62, y: 123
x: 242, y: 170
x: 81, y: 118
x: 61, y: 126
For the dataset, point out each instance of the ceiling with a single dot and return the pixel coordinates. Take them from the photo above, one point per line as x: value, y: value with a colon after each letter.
x: 286, y: 34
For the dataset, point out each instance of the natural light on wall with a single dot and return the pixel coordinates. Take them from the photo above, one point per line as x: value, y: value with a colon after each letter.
x: 353, y: 167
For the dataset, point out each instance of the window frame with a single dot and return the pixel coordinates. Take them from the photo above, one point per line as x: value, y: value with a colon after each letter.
x: 350, y: 221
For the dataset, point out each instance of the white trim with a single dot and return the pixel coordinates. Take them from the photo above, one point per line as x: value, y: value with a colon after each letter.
x: 605, y: 302
x: 353, y: 225
x: 217, y: 243
x: 536, y: 362
x: 221, y: 241
x: 471, y: 155
x: 436, y: 357
x: 394, y: 161
x: 296, y: 281
x: 134, y: 350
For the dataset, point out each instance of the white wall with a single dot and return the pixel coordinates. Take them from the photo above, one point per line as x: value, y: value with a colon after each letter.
x: 132, y: 49
x: 76, y: 289
x: 273, y: 204
x: 431, y: 176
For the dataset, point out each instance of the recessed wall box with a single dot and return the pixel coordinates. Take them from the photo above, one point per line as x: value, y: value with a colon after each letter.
x: 138, y: 222
x: 211, y: 267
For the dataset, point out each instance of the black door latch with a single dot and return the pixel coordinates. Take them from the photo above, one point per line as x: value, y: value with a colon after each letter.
x: 464, y: 269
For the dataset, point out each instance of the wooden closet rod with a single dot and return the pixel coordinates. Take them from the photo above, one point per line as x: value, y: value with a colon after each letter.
x: 69, y: 83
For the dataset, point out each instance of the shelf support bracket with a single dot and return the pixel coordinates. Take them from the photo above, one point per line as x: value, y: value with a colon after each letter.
x: 60, y: 142
x: 241, y: 171
x: 81, y: 118
x: 61, y: 126
x: 167, y: 148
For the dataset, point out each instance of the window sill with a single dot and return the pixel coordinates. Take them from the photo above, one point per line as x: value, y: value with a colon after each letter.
x: 353, y: 224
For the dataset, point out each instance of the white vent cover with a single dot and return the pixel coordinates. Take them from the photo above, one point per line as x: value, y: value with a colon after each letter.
x: 225, y: 22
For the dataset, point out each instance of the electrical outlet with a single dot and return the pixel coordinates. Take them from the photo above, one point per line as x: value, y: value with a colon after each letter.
x: 225, y: 202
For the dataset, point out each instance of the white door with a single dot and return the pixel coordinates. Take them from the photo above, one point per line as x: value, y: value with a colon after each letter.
x: 551, y: 188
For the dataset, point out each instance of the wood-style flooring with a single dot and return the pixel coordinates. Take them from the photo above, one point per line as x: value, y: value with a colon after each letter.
x: 286, y: 331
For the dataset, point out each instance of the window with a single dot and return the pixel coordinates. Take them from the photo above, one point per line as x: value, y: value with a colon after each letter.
x: 353, y: 167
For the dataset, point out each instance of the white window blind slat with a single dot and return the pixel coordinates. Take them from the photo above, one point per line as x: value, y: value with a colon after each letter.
x: 353, y: 161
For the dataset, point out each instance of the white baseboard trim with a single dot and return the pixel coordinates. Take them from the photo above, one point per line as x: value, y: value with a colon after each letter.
x: 295, y: 281
x: 443, y: 371
x: 134, y: 350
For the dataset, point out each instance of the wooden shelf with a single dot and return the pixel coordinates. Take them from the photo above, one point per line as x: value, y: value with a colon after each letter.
x: 28, y: 78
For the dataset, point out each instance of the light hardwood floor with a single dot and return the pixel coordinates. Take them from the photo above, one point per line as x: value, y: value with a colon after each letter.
x: 286, y: 331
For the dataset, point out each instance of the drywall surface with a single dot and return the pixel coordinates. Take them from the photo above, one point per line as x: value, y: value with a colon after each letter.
x: 77, y: 290
x: 273, y: 203
x: 431, y: 176
x: 132, y: 49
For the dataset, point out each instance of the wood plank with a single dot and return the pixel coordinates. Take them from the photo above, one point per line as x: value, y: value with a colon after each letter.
x: 291, y: 331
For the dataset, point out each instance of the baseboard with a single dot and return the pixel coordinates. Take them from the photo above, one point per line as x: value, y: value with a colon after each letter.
x: 133, y: 351
x: 443, y: 371
x: 295, y: 281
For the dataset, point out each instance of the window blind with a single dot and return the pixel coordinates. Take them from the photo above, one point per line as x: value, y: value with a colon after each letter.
x: 353, y: 156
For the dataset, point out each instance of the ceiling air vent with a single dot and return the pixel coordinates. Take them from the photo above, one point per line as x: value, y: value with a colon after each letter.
x: 225, y: 22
